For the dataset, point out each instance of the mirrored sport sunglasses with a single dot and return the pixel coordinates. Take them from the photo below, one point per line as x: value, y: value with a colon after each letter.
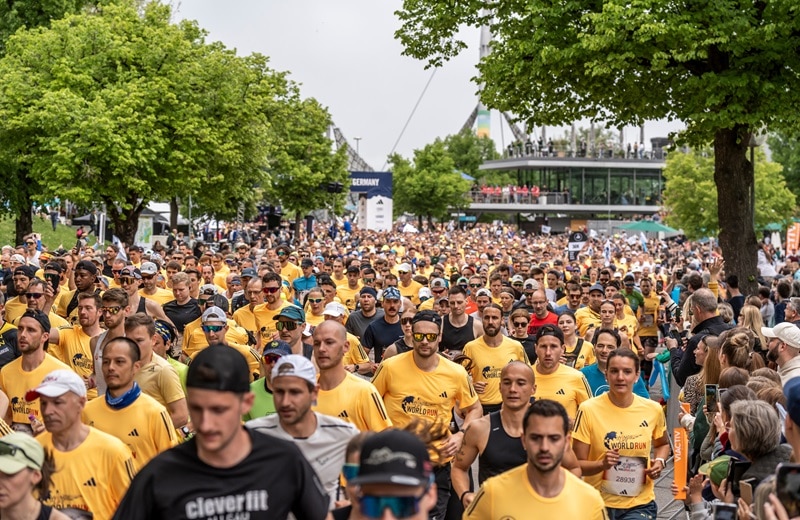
x: 430, y: 336
x: 213, y: 328
x: 373, y: 506
x: 287, y: 325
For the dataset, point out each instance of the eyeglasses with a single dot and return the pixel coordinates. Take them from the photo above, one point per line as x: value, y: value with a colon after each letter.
x: 213, y: 328
x: 316, y: 300
x: 10, y: 449
x: 271, y: 290
x: 402, y: 272
x: 126, y: 281
x: 406, y: 321
x: 111, y: 310
x: 520, y: 323
x: 430, y: 336
x: 34, y: 295
x: 401, y: 507
x: 286, y: 325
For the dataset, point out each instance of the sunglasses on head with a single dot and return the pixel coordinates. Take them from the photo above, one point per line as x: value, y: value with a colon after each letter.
x: 430, y: 336
x: 213, y: 328
x: 286, y: 325
x: 271, y: 290
x: 110, y: 310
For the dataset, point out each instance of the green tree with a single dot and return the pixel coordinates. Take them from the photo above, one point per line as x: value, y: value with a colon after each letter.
x: 785, y: 149
x: 727, y: 69
x: 303, y: 164
x: 123, y: 107
x: 16, y: 198
x: 469, y: 151
x: 690, y: 197
x: 429, y: 186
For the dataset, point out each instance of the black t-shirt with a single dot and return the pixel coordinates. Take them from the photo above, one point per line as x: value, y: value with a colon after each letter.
x: 380, y: 335
x: 272, y: 481
x: 8, y: 344
x: 182, y: 315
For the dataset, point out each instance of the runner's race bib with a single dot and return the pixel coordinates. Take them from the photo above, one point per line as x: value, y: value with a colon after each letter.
x: 625, y: 479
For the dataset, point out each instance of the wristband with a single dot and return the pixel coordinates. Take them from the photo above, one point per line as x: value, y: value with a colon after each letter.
x: 662, y: 461
x: 461, y: 498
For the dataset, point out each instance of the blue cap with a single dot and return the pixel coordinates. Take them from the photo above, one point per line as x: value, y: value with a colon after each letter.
x: 277, y: 347
x: 792, y: 392
x: 292, y: 312
x: 597, y: 287
x: 391, y: 293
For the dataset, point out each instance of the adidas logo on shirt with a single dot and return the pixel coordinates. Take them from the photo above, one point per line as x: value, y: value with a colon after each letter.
x: 344, y: 414
x: 643, y: 425
x: 133, y: 433
x: 561, y: 392
x: 443, y: 394
x: 91, y: 483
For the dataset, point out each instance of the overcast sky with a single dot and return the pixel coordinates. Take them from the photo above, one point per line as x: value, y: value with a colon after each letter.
x: 344, y: 54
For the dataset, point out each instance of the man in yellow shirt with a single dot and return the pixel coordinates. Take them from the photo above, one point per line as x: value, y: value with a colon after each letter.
x: 348, y: 294
x: 540, y: 485
x: 289, y: 271
x: 489, y: 354
x: 27, y: 371
x: 342, y: 394
x: 94, y: 468
x: 423, y: 385
x: 244, y: 316
x: 555, y: 380
x: 124, y: 411
x: 266, y: 312
x: 215, y: 332
x: 589, y: 316
x: 150, y: 289
x: 409, y: 287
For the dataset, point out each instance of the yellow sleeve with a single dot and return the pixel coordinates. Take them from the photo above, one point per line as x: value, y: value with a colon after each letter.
x: 120, y: 473
x: 481, y: 506
x: 170, y: 385
x: 380, y: 380
x: 583, y: 391
x: 355, y: 354
x: 375, y: 413
x: 582, y: 429
x: 57, y: 349
x: 163, y: 433
x: 714, y: 288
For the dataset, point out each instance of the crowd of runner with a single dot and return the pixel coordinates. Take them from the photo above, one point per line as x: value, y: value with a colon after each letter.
x: 374, y: 371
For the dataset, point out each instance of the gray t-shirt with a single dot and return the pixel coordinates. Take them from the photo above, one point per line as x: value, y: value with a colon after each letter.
x: 357, y: 323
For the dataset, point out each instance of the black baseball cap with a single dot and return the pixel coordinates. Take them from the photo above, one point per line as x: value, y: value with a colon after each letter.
x: 40, y: 317
x: 431, y: 316
x: 221, y: 368
x: 394, y: 457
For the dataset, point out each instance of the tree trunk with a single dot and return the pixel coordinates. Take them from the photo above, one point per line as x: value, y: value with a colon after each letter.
x: 125, y: 222
x: 173, y: 213
x: 24, y: 222
x: 733, y: 175
x: 419, y: 222
x: 298, y: 228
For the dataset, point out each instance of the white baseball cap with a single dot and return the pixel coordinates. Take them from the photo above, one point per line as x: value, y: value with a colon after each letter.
x: 334, y: 309
x: 296, y: 366
x: 56, y: 383
x: 787, y: 332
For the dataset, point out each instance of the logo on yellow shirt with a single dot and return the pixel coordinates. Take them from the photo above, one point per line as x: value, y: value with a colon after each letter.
x: 412, y: 405
x: 79, y: 361
x: 491, y: 372
x: 620, y: 441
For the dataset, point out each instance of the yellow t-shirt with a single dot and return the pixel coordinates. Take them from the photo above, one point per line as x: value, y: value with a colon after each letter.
x: 250, y: 355
x: 63, y: 303
x: 410, y: 393
x: 290, y: 271
x: 313, y: 319
x: 265, y: 320
x: 566, y: 386
x: 14, y: 309
x: 15, y: 381
x: 160, y: 381
x: 340, y: 282
x: 604, y: 426
x: 161, y: 296
x: 356, y: 355
x: 194, y: 339
x: 585, y: 356
x: 245, y: 318
x: 355, y: 401
x: 348, y: 296
x: 631, y: 325
x: 488, y: 362
x: 648, y: 316
x: 144, y: 426
x: 73, y: 350
x: 411, y: 292
x: 92, y: 477
x: 584, y: 317
x: 510, y: 495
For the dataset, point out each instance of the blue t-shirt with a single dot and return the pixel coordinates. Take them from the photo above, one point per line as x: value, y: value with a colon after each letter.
x: 599, y: 384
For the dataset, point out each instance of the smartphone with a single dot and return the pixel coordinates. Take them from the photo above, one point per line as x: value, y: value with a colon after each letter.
x: 736, y: 468
x: 787, y: 487
x: 746, y: 490
x: 724, y: 511
x: 659, y: 286
x: 54, y: 279
x: 712, y: 392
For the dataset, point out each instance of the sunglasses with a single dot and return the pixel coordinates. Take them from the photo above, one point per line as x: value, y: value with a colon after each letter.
x: 213, y: 328
x: 518, y: 284
x: 125, y: 280
x: 10, y: 449
x: 111, y: 310
x: 369, y: 280
x: 475, y: 285
x: 520, y: 323
x: 286, y: 325
x: 148, y: 276
x: 30, y: 243
x: 440, y: 291
x: 406, y: 321
x: 430, y: 336
x: 401, y: 507
x: 281, y: 253
x: 315, y: 300
x: 34, y: 295
x: 402, y: 272
x: 271, y: 290
x: 349, y: 471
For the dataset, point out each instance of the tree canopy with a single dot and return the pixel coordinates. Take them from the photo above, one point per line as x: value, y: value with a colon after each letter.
x: 429, y: 186
x: 727, y: 69
x: 785, y: 149
x: 690, y: 198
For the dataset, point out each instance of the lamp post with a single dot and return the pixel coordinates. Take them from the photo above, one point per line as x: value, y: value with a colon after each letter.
x: 358, y: 143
